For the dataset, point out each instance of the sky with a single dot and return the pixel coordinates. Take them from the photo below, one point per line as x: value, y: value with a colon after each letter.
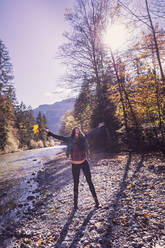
x: 32, y: 32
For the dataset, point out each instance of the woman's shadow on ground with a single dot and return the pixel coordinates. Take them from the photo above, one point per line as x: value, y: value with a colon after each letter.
x: 79, y: 233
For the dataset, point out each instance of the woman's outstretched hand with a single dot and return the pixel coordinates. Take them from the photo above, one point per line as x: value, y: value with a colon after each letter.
x: 101, y: 124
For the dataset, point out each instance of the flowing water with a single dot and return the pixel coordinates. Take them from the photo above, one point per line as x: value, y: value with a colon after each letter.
x: 18, y: 187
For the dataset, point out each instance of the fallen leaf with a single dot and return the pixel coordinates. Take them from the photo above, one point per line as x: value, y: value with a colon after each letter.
x: 39, y: 242
x: 57, y: 215
x: 129, y: 186
x: 146, y: 216
x: 49, y: 238
x: 123, y: 220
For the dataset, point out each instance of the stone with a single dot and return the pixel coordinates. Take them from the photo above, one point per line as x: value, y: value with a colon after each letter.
x: 161, y: 226
x: 147, y: 238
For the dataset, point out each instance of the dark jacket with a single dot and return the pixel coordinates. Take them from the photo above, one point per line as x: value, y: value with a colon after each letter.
x: 69, y: 140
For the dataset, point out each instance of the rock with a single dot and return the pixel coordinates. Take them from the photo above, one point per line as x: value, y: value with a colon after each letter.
x: 20, y: 205
x: 39, y: 203
x: 27, y: 240
x: 161, y: 226
x: 43, y: 217
x: 160, y: 169
x: 151, y: 167
x: 36, y: 191
x: 85, y: 242
x: 136, y: 245
x: 24, y: 245
x: 147, y: 238
x: 64, y: 245
x: 30, y: 197
x: 21, y: 233
x: 158, y: 246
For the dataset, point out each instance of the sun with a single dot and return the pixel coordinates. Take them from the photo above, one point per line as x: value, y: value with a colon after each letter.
x: 115, y: 36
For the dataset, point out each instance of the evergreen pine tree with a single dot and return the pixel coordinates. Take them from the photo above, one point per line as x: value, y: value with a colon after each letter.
x: 7, y: 95
x: 6, y: 74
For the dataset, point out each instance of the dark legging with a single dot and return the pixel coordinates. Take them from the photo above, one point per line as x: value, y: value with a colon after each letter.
x: 76, y: 174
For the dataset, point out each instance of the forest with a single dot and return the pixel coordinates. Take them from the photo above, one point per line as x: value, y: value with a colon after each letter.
x: 16, y: 120
x: 124, y: 88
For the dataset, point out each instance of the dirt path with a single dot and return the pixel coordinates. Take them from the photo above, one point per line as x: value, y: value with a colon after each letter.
x: 131, y: 189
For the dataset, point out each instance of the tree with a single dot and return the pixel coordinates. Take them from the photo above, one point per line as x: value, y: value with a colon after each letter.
x: 42, y: 123
x: 7, y: 95
x: 6, y: 74
x: 138, y: 93
x: 84, y: 52
x: 6, y: 119
x: 84, y: 106
x: 24, y: 123
x: 67, y: 124
x: 147, y: 18
x: 123, y: 88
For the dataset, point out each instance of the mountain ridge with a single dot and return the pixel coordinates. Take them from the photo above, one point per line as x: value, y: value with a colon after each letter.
x: 54, y: 112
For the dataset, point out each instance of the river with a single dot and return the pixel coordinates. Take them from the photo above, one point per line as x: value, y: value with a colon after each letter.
x: 18, y: 187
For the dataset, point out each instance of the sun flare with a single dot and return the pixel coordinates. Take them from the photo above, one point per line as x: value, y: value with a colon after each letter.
x: 115, y: 36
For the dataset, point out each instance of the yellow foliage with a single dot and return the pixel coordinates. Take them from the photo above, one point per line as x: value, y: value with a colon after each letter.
x: 35, y: 128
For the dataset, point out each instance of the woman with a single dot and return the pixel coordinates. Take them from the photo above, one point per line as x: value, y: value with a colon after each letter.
x: 77, y: 150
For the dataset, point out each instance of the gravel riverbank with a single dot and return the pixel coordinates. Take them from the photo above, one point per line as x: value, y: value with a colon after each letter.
x: 130, y: 188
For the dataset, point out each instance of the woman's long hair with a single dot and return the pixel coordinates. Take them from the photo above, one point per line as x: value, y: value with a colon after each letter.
x: 80, y: 140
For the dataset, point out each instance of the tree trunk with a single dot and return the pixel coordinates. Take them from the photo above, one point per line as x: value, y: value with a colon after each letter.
x: 120, y: 92
x: 156, y: 43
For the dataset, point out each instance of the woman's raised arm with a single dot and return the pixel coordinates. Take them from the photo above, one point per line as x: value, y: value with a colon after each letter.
x: 93, y: 131
x: 59, y: 137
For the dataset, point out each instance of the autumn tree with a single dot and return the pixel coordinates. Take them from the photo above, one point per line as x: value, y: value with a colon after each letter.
x: 68, y: 122
x: 147, y: 87
x: 149, y: 14
x: 24, y: 123
x: 84, y: 106
x: 126, y: 87
x: 85, y: 55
